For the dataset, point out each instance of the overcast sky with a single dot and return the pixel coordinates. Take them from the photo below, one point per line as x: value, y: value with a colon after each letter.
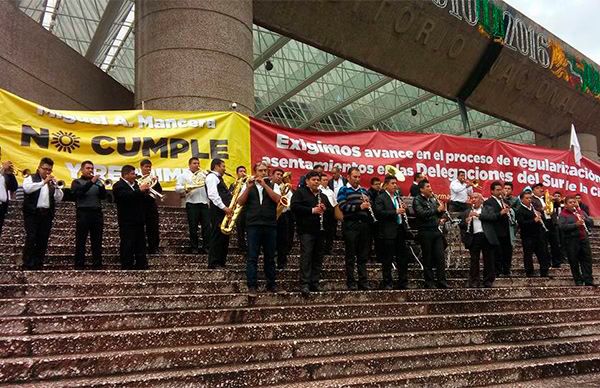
x: 576, y: 22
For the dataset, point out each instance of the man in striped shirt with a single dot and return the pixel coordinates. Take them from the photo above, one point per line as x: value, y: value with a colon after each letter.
x: 354, y: 202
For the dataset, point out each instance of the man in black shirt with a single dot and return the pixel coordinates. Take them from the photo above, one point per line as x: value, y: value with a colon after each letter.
x: 429, y: 214
x: 129, y: 197
x: 8, y: 183
x: 311, y: 207
x: 260, y: 202
x: 88, y: 192
x: 531, y: 226
x: 414, y: 188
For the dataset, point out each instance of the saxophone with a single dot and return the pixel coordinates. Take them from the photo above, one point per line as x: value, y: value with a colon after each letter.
x: 228, y: 223
x: 284, y: 202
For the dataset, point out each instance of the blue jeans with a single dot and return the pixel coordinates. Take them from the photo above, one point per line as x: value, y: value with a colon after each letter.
x: 265, y: 237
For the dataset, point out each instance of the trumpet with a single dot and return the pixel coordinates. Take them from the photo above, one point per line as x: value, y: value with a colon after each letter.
x: 152, y: 181
x: 60, y: 184
x: 198, y: 181
x: 107, y: 183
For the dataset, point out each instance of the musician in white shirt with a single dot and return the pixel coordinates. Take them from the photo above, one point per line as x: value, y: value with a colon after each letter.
x: 41, y: 195
x: 460, y: 190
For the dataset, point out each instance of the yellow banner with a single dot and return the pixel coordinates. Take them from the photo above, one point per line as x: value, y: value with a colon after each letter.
x: 111, y: 139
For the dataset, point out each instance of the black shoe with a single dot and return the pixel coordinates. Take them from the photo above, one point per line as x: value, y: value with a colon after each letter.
x: 388, y: 287
x: 314, y: 289
x: 96, y: 267
x: 201, y: 251
x: 80, y: 267
x: 506, y: 274
x: 305, y: 291
x: 556, y: 266
x: 352, y: 287
x: 488, y: 285
x: 591, y: 284
x: 190, y: 250
x: 442, y: 285
x: 252, y: 292
x: 579, y: 283
x: 429, y: 286
x: 546, y: 275
x: 364, y: 287
x: 473, y: 285
x: 276, y: 290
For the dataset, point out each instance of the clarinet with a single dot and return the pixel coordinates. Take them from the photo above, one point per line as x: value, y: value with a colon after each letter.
x: 538, y: 214
x: 366, y: 199
x: 581, y: 218
x: 401, y: 204
x: 319, y: 201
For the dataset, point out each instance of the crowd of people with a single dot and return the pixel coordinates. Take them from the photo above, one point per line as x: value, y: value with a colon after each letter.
x: 269, y: 214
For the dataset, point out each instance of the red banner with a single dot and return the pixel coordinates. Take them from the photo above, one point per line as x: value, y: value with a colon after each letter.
x: 439, y: 156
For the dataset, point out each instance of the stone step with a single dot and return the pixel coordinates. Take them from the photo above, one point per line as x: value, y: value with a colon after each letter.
x: 83, y: 300
x: 156, y: 316
x: 90, y: 342
x: 299, y: 371
x: 589, y: 380
x: 467, y: 376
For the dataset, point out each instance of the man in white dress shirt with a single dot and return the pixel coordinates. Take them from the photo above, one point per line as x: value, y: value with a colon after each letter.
x: 329, y: 220
x: 41, y: 196
x: 460, y: 190
x: 196, y: 207
x: 219, y: 199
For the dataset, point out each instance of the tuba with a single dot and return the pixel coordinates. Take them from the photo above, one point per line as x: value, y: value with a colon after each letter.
x: 152, y: 181
x: 392, y: 170
x: 284, y: 202
x: 198, y: 181
x: 228, y: 223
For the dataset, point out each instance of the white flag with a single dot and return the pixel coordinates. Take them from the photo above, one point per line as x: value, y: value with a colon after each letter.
x: 575, y: 144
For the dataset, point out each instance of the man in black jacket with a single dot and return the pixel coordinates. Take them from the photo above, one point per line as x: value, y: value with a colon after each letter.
x: 41, y: 195
x: 88, y: 192
x: 260, y: 202
x: 429, y: 216
x: 496, y: 226
x: 575, y: 226
x: 550, y: 236
x: 477, y: 243
x: 8, y: 183
x: 391, y: 220
x: 531, y: 226
x: 151, y: 210
x: 311, y: 206
x: 129, y: 198
x: 219, y: 198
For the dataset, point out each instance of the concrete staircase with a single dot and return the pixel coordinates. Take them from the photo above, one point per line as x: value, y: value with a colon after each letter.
x: 179, y: 324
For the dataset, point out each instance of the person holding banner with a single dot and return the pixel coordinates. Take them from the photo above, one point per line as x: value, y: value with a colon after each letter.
x: 576, y: 226
x: 129, y: 197
x: 429, y: 216
x: 41, y: 196
x: 392, y: 230
x: 196, y: 207
x: 460, y: 190
x: 354, y: 202
x: 219, y: 199
x: 8, y: 183
x: 151, y: 210
x: 311, y: 206
x: 88, y: 192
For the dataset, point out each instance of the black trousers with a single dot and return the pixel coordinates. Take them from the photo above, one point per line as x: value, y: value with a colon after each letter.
x: 283, y: 249
x: 330, y: 225
x: 537, y: 245
x: 37, y: 233
x: 311, y: 259
x: 478, y: 247
x: 261, y: 237
x: 133, y: 246
x: 291, y: 229
x: 357, y: 240
x: 241, y: 232
x: 556, y: 255
x: 219, y: 242
x: 3, y: 211
x: 198, y: 214
x: 151, y: 225
x: 432, y: 249
x: 503, y: 256
x: 89, y: 221
x: 394, y: 251
x: 579, y: 254
x: 455, y: 206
